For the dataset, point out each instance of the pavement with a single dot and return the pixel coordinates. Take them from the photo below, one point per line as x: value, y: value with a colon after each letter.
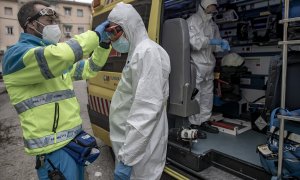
x: 15, y: 164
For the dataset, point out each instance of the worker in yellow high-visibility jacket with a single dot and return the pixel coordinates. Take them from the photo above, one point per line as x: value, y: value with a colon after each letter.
x: 38, y: 72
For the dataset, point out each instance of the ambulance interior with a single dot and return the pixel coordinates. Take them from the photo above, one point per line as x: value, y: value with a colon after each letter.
x: 244, y: 95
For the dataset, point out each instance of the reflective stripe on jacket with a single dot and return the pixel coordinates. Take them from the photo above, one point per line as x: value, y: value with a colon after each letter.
x: 38, y: 77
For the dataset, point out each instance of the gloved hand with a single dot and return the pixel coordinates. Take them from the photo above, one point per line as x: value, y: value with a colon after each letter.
x: 100, y: 31
x: 122, y: 172
x: 215, y: 42
x: 225, y: 45
x: 220, y: 42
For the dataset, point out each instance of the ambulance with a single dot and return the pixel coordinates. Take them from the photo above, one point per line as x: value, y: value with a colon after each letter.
x: 244, y: 94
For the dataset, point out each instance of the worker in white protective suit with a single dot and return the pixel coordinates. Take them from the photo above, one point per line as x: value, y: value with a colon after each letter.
x: 138, y: 118
x: 204, y: 40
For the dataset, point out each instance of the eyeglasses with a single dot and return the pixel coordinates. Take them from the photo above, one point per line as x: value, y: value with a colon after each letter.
x: 114, y: 32
x: 44, y: 12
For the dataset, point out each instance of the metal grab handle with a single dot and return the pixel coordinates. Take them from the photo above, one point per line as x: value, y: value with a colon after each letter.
x: 283, y: 86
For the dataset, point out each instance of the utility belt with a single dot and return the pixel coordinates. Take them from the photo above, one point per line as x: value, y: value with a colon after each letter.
x: 83, y: 149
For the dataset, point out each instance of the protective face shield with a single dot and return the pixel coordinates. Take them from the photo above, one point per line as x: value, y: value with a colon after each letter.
x: 50, y: 33
x: 213, y: 13
x: 211, y: 10
x: 44, y: 12
x: 114, y: 32
x: 121, y: 45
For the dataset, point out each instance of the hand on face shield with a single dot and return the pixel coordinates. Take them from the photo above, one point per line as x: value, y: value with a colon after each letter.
x: 122, y: 172
x: 220, y: 42
x: 100, y: 30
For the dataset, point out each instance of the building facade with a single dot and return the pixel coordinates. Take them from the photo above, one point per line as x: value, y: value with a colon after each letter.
x: 74, y: 18
x: 10, y: 29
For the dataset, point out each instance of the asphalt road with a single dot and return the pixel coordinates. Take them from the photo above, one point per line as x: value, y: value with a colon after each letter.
x: 16, y: 165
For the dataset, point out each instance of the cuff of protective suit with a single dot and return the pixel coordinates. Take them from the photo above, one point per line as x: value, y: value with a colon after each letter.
x: 134, y: 147
x: 129, y: 159
x: 100, y: 56
x: 123, y: 159
x: 205, y: 43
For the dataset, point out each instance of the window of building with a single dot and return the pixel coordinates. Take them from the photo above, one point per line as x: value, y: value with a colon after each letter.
x: 9, y: 30
x: 79, y: 13
x: 8, y: 11
x: 80, y: 30
x: 68, y: 11
x: 68, y: 30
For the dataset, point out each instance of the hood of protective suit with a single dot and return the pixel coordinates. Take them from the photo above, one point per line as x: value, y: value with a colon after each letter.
x: 205, y: 17
x: 232, y: 59
x: 128, y: 18
x: 206, y: 3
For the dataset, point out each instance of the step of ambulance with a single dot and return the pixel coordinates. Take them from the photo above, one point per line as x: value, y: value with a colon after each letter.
x: 234, y: 154
x: 211, y: 173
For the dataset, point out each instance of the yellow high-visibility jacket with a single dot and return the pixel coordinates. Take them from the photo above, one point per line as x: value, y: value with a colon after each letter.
x: 38, y: 77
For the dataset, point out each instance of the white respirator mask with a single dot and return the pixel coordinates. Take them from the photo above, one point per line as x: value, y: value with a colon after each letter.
x: 121, y: 45
x: 51, y: 33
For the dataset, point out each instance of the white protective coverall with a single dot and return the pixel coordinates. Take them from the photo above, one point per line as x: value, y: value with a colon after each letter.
x: 138, y: 119
x: 201, y: 30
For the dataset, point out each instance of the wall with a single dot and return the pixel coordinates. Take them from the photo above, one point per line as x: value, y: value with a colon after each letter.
x: 8, y: 20
x: 73, y: 20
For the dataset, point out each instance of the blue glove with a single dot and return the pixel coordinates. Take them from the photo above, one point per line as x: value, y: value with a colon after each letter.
x: 220, y: 42
x: 215, y: 42
x: 100, y: 30
x: 122, y: 172
x: 225, y: 45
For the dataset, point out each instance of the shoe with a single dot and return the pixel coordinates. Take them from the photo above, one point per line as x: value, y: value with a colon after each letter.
x: 200, y: 133
x: 208, y: 128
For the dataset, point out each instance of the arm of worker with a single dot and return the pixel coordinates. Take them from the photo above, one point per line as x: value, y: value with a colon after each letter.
x: 85, y: 69
x: 43, y: 63
x: 145, y: 110
x: 217, y: 36
x: 198, y: 40
x: 222, y: 44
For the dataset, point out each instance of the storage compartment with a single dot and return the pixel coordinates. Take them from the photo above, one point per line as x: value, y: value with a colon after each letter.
x: 232, y: 126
